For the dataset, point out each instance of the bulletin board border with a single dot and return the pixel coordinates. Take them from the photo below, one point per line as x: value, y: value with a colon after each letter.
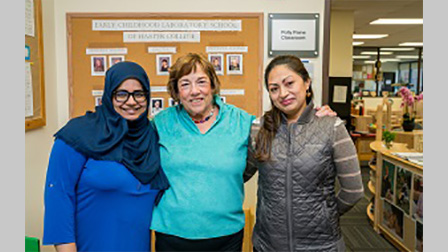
x: 258, y: 15
x: 39, y: 120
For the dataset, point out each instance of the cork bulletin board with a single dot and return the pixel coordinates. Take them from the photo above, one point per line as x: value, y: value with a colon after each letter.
x: 241, y: 86
x: 34, y: 66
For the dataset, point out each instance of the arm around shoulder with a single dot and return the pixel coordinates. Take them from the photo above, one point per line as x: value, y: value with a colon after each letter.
x: 251, y: 162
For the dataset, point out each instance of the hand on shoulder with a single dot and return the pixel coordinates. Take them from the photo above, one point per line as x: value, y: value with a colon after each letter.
x: 325, y: 111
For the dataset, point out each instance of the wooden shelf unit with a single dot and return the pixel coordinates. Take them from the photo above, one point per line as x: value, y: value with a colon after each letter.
x: 370, y: 214
x: 371, y: 187
x: 407, y: 241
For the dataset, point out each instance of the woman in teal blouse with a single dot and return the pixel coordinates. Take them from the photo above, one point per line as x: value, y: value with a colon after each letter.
x: 203, y: 149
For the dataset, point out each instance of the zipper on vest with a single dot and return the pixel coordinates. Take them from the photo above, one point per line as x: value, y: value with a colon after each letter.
x: 289, y: 192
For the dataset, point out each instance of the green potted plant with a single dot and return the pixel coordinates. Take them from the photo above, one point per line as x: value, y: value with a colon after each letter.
x: 388, y: 138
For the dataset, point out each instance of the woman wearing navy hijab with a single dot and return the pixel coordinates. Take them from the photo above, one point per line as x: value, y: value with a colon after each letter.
x: 104, y: 175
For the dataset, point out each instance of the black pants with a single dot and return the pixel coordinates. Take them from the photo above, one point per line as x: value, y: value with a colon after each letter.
x: 233, y: 242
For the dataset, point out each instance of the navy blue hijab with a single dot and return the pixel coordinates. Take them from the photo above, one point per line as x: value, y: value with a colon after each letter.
x: 106, y: 135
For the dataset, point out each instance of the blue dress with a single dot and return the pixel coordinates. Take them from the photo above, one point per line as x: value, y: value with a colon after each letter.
x: 99, y: 205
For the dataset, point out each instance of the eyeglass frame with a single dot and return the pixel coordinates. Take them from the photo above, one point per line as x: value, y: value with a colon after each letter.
x: 129, y: 95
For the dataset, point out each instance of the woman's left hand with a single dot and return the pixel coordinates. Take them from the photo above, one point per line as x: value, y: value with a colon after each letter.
x: 325, y: 111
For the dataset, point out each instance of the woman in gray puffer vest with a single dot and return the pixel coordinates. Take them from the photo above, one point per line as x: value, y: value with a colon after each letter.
x: 299, y: 156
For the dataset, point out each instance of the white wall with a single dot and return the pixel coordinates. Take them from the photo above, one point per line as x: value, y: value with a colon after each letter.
x: 38, y: 142
x: 373, y: 102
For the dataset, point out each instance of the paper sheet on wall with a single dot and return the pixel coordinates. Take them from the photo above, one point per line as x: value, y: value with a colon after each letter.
x: 29, y: 18
x: 93, y: 51
x: 28, y: 91
x: 159, y: 89
x: 226, y: 49
x: 232, y: 92
x: 339, y: 94
x: 309, y: 67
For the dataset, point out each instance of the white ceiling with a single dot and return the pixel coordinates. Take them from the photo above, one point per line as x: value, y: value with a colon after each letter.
x: 366, y: 11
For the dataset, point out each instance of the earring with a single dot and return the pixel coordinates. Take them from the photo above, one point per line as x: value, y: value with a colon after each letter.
x: 308, y: 93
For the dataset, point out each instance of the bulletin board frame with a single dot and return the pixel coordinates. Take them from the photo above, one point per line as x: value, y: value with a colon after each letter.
x: 251, y: 81
x: 36, y: 60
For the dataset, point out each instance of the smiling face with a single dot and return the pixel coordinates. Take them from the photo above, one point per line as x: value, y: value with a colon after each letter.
x: 287, y: 91
x: 131, y: 109
x: 196, y: 93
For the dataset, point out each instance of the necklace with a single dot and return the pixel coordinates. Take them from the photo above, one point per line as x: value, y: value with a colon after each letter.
x: 205, y: 119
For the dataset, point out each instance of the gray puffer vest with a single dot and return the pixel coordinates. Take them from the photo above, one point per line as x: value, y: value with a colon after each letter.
x: 297, y: 207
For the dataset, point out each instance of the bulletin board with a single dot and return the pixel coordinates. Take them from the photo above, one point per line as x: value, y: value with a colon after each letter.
x: 34, y: 66
x: 242, y: 89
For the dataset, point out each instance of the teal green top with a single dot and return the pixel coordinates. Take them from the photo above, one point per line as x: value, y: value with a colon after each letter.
x: 205, y: 171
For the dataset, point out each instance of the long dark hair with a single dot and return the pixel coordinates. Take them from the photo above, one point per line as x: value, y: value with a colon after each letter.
x: 272, y: 118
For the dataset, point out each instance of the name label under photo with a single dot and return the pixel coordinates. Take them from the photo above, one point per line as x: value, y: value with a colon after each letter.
x: 93, y: 51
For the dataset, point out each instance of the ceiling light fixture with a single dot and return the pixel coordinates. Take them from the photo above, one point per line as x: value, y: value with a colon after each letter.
x: 357, y: 43
x: 397, y: 21
x: 396, y: 49
x: 407, y: 57
x: 361, y: 57
x: 376, y: 53
x: 411, y: 44
x: 369, y: 36
x: 390, y: 60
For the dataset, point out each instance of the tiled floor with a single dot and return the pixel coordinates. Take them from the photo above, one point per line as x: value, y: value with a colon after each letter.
x: 356, y: 229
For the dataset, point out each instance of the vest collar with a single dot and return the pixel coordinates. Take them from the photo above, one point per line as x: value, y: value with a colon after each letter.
x: 305, y: 117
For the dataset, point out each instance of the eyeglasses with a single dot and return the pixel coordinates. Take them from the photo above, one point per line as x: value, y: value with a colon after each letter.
x: 122, y: 96
x: 186, y: 85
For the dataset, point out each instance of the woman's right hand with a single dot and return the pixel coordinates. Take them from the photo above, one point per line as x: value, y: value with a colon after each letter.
x: 66, y: 247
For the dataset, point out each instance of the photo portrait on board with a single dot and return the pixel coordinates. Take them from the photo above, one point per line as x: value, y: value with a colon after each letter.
x: 156, y: 106
x: 163, y: 63
x: 98, y: 100
x: 171, y: 102
x: 217, y: 61
x: 99, y: 65
x: 115, y: 59
x: 235, y: 64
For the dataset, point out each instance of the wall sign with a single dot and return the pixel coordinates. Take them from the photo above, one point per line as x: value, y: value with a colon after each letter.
x: 296, y: 34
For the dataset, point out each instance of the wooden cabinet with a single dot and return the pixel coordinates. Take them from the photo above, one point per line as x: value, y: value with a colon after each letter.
x: 398, y: 189
x: 362, y: 143
x: 361, y: 123
x: 413, y: 139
